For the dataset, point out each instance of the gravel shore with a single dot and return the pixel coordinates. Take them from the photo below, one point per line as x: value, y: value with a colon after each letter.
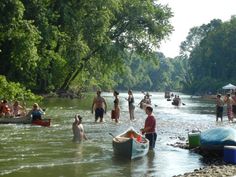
x: 213, y: 170
x: 215, y: 165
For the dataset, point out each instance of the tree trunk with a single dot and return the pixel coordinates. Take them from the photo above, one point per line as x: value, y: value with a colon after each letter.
x: 73, y: 74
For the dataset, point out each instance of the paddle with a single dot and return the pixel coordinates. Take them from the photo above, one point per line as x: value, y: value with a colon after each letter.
x: 183, y: 104
x: 143, y: 92
x: 114, y: 137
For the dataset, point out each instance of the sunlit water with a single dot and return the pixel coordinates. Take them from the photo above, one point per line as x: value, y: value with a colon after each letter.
x: 27, y: 151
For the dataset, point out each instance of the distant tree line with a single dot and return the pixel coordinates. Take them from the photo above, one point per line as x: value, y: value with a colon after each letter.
x: 206, y: 62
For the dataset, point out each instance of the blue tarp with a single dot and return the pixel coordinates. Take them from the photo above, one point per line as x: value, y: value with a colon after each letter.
x: 218, y: 137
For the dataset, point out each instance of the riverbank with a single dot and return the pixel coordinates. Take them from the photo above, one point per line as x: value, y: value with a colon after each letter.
x: 213, y: 170
x: 215, y: 166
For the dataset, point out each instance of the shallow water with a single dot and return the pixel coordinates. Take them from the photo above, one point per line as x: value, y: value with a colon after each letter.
x: 28, y: 151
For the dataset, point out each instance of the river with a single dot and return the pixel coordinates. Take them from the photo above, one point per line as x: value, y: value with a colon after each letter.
x: 27, y: 151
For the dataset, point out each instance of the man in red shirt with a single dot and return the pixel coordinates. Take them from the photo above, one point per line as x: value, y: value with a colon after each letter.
x: 150, y: 128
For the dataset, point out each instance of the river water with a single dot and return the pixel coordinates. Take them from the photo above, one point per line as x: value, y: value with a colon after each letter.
x: 27, y: 151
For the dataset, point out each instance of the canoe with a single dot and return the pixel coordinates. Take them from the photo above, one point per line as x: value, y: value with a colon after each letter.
x: 217, y: 138
x: 15, y: 120
x: 130, y: 144
x: 167, y: 94
x: 175, y: 103
x: 42, y: 122
x: 24, y: 120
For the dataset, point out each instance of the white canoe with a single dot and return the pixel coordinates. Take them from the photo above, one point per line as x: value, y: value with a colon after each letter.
x: 130, y: 144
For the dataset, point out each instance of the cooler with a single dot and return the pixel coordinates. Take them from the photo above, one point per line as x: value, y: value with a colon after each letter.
x: 230, y: 154
x: 194, y: 139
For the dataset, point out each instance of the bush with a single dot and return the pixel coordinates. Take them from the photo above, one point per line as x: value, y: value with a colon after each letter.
x: 15, y: 91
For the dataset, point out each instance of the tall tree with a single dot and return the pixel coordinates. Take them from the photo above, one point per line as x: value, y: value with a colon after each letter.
x: 110, y: 27
x: 212, y: 60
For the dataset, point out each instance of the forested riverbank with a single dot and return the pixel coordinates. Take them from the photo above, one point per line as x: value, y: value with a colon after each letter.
x: 68, y: 48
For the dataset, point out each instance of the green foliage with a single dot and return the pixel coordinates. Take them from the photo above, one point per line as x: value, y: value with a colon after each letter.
x: 158, y: 73
x: 15, y: 91
x: 212, y: 59
x: 18, y: 43
x: 49, y: 45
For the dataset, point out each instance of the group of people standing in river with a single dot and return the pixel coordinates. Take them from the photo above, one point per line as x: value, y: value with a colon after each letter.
x: 99, y: 106
x: 230, y: 106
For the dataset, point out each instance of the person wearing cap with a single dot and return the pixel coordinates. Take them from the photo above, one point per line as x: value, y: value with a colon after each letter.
x: 100, y: 106
x: 36, y: 113
x: 219, y: 107
x: 150, y: 128
x: 78, y: 129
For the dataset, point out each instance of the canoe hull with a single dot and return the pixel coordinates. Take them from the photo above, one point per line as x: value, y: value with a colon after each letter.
x: 25, y: 120
x: 43, y: 122
x: 130, y: 148
x: 18, y: 120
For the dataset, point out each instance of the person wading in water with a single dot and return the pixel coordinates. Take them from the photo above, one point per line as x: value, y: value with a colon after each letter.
x: 100, y: 106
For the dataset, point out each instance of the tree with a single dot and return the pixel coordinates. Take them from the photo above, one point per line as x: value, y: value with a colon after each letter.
x: 108, y: 28
x: 47, y: 44
x: 212, y: 60
x: 18, y: 43
x: 15, y: 91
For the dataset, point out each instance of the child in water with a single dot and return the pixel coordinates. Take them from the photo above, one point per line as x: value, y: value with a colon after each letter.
x: 78, y: 129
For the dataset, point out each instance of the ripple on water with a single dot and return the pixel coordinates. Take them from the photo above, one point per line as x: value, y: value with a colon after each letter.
x: 42, y: 151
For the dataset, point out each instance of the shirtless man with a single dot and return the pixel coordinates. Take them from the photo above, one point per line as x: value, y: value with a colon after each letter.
x: 78, y: 129
x: 100, y: 106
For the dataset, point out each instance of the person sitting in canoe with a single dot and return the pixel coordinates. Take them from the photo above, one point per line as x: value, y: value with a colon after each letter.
x: 36, y: 113
x: 176, y: 101
x: 145, y: 101
x: 18, y: 110
x: 5, y: 109
x: 150, y: 128
x: 78, y: 129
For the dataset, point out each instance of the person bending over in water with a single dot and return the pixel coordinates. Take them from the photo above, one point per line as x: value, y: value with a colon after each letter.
x: 100, y: 106
x: 78, y: 129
